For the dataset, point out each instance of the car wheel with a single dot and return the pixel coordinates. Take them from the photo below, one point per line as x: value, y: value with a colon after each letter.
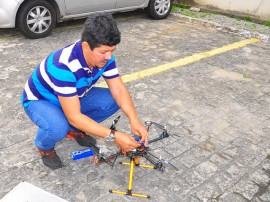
x: 159, y: 9
x: 36, y: 19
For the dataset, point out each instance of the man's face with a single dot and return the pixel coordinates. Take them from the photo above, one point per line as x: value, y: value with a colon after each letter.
x: 99, y: 56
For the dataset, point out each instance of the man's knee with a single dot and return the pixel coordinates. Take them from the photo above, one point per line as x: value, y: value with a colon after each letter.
x: 56, y: 131
x: 60, y: 131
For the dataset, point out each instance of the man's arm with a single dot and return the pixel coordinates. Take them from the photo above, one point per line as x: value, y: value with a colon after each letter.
x: 124, y: 101
x: 71, y: 108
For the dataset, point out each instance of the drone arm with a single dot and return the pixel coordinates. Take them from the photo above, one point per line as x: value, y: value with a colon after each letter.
x: 162, y: 162
x: 114, y: 123
x: 150, y: 160
x: 162, y: 136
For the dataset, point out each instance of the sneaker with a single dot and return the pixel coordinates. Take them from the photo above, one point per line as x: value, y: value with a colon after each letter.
x: 82, y: 139
x: 50, y: 158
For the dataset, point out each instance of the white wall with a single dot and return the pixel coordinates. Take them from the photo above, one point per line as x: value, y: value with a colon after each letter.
x: 260, y: 8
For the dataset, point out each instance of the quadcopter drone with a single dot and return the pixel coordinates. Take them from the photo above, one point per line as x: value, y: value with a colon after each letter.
x: 142, y: 151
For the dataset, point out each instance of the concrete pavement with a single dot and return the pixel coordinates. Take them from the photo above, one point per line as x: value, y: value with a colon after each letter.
x: 217, y: 106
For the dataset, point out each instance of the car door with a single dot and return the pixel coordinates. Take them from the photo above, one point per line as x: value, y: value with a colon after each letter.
x: 130, y: 3
x: 74, y: 7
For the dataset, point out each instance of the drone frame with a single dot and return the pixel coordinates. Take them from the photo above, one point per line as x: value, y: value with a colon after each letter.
x: 134, y: 155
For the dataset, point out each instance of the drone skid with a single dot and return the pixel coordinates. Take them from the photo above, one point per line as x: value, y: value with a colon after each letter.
x: 134, y: 161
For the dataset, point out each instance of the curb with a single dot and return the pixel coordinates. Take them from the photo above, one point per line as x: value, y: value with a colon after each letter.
x: 233, y: 30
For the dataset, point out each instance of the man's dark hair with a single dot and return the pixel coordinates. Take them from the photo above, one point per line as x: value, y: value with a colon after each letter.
x: 101, y: 29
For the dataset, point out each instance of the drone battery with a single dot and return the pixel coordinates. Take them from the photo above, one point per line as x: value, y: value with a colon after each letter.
x: 82, y: 153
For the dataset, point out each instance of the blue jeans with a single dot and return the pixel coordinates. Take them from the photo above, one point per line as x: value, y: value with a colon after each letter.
x: 52, y: 123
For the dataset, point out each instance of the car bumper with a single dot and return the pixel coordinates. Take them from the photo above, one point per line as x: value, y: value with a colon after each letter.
x: 8, y: 11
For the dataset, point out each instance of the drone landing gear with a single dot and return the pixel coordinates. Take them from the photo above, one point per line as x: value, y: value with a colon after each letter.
x: 134, y: 161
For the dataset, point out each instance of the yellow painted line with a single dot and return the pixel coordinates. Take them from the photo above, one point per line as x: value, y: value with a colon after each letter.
x: 182, y: 62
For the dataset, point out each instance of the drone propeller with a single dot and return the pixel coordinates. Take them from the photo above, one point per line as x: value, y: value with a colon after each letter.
x: 168, y: 164
x: 150, y: 123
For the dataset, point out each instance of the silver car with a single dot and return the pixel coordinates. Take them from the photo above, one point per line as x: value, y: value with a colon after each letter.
x: 37, y: 18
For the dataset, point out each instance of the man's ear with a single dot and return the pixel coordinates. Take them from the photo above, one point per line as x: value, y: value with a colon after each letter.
x: 85, y: 46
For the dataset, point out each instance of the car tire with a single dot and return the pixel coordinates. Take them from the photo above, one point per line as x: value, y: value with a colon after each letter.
x: 159, y: 9
x: 36, y: 19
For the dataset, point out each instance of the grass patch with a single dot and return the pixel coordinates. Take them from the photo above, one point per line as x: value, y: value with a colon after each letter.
x: 179, y: 7
x: 267, y: 23
x: 189, y: 14
x: 175, y: 9
x: 230, y: 15
x: 204, y: 15
x: 247, y: 18
x: 183, y: 6
x: 246, y: 76
x: 214, y: 65
x: 185, y: 10
x: 253, y: 26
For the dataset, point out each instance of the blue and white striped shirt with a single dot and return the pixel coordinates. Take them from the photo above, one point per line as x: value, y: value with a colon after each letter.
x: 64, y: 73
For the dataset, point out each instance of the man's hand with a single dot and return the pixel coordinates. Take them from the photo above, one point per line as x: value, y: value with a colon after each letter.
x: 125, y: 141
x: 139, y: 129
x: 124, y: 101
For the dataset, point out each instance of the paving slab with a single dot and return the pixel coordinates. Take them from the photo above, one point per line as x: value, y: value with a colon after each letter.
x: 217, y: 107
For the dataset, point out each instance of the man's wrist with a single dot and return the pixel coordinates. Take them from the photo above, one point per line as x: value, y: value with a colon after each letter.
x: 135, y: 120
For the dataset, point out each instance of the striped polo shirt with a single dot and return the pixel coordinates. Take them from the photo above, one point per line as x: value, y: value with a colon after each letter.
x: 64, y: 73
